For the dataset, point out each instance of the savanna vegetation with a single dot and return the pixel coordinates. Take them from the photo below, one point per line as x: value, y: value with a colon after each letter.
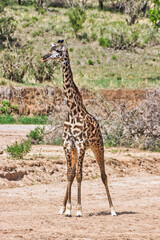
x: 112, y: 44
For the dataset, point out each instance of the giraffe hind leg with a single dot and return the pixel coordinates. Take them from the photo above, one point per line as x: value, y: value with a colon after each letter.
x: 99, y: 155
x: 81, y: 154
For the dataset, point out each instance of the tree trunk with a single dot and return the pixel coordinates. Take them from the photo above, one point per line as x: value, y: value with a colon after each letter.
x: 19, y: 2
x: 40, y: 2
x: 101, y: 4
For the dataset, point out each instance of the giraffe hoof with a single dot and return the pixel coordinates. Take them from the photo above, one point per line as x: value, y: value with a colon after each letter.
x: 68, y: 210
x: 68, y: 215
x: 79, y: 215
x: 113, y: 213
x: 62, y: 210
x: 79, y: 211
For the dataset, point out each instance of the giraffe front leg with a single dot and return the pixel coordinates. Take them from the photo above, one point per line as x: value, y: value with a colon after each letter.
x: 66, y: 207
x: 79, y: 180
x: 63, y: 207
x: 70, y: 181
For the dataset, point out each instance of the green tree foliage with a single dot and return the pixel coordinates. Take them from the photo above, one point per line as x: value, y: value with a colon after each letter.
x: 77, y: 17
x: 154, y: 14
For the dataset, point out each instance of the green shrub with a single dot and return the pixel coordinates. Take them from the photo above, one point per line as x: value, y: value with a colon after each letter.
x: 7, y: 29
x: 41, y: 11
x: 77, y: 17
x: 104, y: 42
x: 15, y: 63
x: 4, y: 107
x: 90, y: 62
x: 43, y: 71
x: 36, y: 136
x: 7, y: 119
x: 6, y: 103
x: 154, y: 14
x: 114, y: 57
x: 18, y: 151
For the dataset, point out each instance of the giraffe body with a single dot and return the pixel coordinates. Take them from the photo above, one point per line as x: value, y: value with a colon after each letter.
x: 81, y: 131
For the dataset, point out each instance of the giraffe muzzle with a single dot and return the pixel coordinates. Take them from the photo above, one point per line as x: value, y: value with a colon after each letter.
x: 45, y: 57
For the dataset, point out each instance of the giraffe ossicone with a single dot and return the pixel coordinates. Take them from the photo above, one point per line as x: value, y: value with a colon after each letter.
x: 81, y: 131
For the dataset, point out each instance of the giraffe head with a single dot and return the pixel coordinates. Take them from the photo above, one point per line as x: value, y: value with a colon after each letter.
x: 56, y: 52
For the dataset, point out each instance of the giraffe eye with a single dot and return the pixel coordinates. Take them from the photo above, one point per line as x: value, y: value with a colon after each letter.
x: 58, y: 51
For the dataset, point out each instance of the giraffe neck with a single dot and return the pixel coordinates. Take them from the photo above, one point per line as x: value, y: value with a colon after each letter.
x: 72, y: 94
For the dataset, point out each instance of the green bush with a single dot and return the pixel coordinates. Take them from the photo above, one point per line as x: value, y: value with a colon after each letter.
x: 36, y: 136
x: 41, y: 11
x: 7, y: 29
x: 77, y: 17
x: 104, y: 42
x: 43, y: 71
x: 15, y: 63
x: 154, y: 14
x: 5, y: 106
x: 114, y: 57
x: 90, y: 62
x: 7, y: 119
x: 18, y: 151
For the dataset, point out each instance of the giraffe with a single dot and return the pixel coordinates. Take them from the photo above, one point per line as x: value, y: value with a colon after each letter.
x: 81, y: 131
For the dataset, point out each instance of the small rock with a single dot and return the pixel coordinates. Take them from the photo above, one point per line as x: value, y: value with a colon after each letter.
x: 1, y: 152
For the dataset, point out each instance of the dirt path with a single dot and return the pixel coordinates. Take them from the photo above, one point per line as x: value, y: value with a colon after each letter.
x: 31, y: 212
x: 29, y: 202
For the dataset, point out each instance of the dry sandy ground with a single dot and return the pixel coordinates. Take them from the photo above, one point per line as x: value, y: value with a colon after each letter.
x: 32, y: 190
